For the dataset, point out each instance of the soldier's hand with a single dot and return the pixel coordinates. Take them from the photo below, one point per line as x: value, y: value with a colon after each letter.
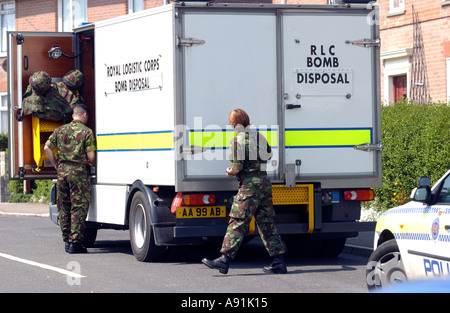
x: 230, y: 172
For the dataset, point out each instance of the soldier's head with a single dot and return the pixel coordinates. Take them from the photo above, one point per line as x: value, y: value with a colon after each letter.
x: 81, y: 112
x: 239, y: 117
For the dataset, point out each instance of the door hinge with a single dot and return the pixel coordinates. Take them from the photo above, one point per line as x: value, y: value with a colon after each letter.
x: 366, y: 43
x: 189, y: 42
x: 369, y: 147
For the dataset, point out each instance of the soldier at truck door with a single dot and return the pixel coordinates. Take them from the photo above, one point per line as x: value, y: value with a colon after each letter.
x: 249, y: 153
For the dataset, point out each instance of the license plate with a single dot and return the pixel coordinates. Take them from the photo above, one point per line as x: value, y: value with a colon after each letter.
x: 201, y: 212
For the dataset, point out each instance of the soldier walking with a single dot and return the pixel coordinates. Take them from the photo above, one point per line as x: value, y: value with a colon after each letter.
x: 249, y: 153
x: 75, y: 146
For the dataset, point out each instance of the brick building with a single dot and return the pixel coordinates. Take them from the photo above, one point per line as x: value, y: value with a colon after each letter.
x: 398, y: 76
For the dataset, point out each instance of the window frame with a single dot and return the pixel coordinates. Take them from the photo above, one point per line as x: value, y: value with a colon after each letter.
x: 3, y: 33
x: 132, y: 8
x: 72, y: 12
x: 396, y: 10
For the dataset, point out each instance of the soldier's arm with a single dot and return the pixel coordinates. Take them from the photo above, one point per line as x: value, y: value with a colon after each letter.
x: 51, y: 156
x: 236, y: 163
x: 91, y: 157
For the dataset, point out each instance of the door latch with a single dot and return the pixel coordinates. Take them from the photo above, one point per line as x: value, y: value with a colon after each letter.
x: 293, y: 106
x: 366, y: 43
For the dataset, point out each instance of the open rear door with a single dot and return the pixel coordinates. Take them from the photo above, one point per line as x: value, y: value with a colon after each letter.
x: 28, y: 53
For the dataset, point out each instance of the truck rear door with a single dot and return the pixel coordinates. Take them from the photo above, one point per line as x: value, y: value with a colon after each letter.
x: 28, y: 53
x: 330, y: 95
x: 305, y: 81
x: 233, y: 67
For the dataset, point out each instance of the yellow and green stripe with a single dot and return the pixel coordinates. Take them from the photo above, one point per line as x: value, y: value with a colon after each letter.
x: 295, y: 138
x: 326, y: 137
x: 141, y: 141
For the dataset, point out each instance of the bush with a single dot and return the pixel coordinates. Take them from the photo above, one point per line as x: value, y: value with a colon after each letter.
x: 40, y: 191
x: 16, y: 189
x: 416, y: 142
x: 3, y: 142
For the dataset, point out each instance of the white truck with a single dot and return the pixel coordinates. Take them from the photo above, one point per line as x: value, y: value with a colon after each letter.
x: 160, y: 84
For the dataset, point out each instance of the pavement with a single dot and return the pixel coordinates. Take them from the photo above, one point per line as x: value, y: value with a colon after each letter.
x: 24, y: 209
x: 361, y: 245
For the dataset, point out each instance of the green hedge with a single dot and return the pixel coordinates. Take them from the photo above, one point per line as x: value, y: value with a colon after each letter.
x: 416, y: 142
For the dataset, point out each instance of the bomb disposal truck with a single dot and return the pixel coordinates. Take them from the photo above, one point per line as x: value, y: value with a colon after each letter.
x: 160, y: 84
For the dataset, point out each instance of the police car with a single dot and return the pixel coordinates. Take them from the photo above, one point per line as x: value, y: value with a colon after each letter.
x: 412, y: 241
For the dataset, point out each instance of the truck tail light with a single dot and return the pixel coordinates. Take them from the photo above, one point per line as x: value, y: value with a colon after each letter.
x: 177, y: 202
x: 192, y: 199
x: 199, y: 199
x: 359, y: 195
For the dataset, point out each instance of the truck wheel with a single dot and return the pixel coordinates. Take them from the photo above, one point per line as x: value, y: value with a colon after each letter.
x: 333, y: 247
x: 385, y: 266
x: 141, y: 232
x: 303, y: 245
x: 90, y: 235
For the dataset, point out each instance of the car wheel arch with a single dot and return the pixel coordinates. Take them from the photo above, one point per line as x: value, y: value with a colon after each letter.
x: 385, y: 235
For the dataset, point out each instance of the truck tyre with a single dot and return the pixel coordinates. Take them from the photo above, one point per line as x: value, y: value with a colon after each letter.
x: 333, y: 247
x: 303, y: 245
x: 142, y: 237
x: 385, y: 266
x: 90, y: 235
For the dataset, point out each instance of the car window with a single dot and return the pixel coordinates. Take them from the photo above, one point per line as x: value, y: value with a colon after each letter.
x: 444, y: 194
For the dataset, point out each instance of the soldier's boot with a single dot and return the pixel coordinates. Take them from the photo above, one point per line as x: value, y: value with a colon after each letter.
x: 278, y: 265
x: 222, y: 263
x: 76, y: 247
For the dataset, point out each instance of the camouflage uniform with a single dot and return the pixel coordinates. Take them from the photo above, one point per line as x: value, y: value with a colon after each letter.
x: 52, y: 101
x: 72, y: 141
x: 249, y: 152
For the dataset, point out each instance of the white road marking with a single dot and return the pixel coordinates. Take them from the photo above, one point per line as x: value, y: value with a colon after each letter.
x: 44, y: 266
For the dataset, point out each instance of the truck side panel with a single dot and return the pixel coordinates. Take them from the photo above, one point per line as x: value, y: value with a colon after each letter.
x: 134, y: 99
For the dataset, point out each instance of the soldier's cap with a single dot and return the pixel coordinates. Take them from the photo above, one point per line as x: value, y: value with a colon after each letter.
x: 83, y: 106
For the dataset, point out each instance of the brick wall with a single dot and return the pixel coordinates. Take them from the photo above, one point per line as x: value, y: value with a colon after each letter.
x: 396, y: 32
x: 36, y: 15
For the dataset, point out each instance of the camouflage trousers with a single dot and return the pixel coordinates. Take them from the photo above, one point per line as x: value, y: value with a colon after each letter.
x: 254, y: 199
x: 73, y: 198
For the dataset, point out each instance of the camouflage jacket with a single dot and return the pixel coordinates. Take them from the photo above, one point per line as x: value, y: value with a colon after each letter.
x: 72, y: 141
x: 249, y: 151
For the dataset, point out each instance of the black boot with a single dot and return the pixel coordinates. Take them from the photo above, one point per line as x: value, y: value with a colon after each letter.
x: 222, y: 263
x: 278, y: 265
x: 76, y: 247
x: 66, y: 246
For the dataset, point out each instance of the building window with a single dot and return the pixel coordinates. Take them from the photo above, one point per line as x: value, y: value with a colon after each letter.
x: 4, y: 113
x: 71, y: 14
x: 135, y: 6
x: 396, y: 7
x: 7, y: 22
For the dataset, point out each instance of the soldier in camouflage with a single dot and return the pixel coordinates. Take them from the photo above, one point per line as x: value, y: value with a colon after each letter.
x: 75, y: 147
x: 249, y: 153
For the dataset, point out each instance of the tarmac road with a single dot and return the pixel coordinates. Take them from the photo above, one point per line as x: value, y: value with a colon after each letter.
x: 361, y: 245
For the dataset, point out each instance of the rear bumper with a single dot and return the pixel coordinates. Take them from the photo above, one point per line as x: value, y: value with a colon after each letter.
x: 283, y: 228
